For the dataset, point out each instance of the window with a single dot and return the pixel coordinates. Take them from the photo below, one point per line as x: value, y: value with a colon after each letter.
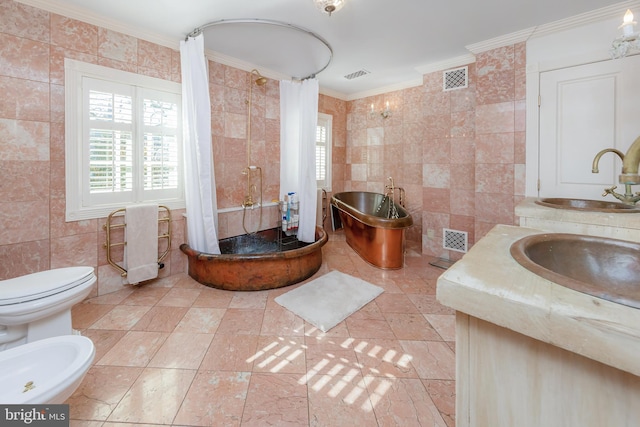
x: 323, y: 151
x: 123, y: 140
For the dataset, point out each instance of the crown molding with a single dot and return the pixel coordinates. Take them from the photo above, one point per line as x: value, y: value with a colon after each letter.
x: 608, y: 12
x: 386, y: 89
x: 502, y: 41
x: 54, y: 6
x: 334, y: 94
x: 458, y: 61
x: 231, y: 61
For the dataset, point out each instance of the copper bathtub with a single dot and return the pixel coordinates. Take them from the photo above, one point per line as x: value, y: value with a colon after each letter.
x: 256, y: 271
x: 379, y: 240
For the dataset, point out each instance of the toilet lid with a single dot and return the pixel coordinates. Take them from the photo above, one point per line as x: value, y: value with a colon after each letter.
x: 42, y: 284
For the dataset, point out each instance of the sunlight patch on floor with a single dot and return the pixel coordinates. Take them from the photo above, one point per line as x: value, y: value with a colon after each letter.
x: 281, y: 353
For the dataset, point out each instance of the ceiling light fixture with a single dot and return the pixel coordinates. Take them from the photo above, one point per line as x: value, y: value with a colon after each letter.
x: 329, y: 6
x: 630, y: 39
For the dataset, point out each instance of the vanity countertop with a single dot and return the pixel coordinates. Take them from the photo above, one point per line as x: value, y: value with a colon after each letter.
x: 487, y: 283
x: 529, y: 208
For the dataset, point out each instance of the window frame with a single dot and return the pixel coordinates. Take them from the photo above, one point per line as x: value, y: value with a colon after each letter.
x: 78, y: 205
x: 327, y: 121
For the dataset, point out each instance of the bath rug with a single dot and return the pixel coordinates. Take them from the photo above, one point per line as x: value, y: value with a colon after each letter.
x: 328, y: 300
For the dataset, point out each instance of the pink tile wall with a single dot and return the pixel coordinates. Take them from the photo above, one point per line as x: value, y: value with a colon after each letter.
x: 378, y: 148
x: 500, y: 130
x: 460, y: 154
x: 33, y: 233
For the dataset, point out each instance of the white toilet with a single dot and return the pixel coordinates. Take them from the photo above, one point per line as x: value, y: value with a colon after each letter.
x: 46, y: 371
x: 38, y: 305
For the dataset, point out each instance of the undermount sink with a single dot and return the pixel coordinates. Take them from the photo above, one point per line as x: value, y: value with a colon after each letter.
x: 588, y: 205
x: 601, y: 267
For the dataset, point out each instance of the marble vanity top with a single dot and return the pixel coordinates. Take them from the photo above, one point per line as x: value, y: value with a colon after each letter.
x: 489, y: 284
x: 625, y: 226
x: 528, y: 208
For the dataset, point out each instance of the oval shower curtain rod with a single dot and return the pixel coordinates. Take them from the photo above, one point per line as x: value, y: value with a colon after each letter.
x: 200, y: 29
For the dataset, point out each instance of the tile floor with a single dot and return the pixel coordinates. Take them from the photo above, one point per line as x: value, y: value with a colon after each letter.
x: 175, y: 352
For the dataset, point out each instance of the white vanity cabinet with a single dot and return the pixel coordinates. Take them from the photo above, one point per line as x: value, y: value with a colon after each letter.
x: 531, y: 353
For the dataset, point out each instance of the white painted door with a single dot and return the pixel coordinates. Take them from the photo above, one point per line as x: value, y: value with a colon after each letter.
x: 583, y: 110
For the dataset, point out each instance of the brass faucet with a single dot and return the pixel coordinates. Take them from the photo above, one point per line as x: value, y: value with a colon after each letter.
x: 630, y: 164
x: 596, y: 160
x: 629, y: 172
x: 627, y: 198
x: 390, y: 188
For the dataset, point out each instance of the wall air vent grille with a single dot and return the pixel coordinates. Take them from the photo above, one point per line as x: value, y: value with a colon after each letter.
x: 357, y: 74
x: 454, y: 240
x: 455, y: 79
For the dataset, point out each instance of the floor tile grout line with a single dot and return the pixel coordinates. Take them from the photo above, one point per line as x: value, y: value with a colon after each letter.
x: 305, y: 336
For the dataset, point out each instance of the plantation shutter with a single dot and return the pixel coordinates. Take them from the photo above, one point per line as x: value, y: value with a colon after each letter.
x: 161, y: 155
x: 321, y: 154
x: 131, y: 148
x: 108, y: 117
x: 323, y: 151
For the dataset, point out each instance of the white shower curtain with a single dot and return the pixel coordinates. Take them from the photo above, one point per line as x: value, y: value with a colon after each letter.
x: 298, y: 122
x: 200, y: 186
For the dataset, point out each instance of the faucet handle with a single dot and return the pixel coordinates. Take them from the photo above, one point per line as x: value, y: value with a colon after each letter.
x: 609, y: 190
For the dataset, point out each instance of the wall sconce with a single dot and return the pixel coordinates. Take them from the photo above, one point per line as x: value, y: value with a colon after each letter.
x: 386, y: 113
x: 630, y: 39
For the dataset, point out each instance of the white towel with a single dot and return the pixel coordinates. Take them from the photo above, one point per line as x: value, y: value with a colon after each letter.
x: 141, y: 250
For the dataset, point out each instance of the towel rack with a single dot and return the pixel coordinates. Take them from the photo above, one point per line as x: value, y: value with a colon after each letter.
x: 119, y: 213
x: 325, y: 206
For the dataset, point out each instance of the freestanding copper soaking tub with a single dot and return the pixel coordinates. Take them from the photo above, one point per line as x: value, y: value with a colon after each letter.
x: 266, y: 260
x: 369, y: 229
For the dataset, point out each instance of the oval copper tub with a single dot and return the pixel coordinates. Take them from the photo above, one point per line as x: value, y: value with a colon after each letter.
x: 256, y: 271
x: 587, y: 205
x: 598, y: 266
x: 377, y: 239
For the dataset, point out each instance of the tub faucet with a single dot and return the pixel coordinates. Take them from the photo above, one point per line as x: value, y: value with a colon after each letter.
x: 389, y: 188
x: 389, y: 194
x: 627, y: 173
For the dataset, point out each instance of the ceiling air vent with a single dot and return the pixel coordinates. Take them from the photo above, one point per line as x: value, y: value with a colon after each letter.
x: 455, y: 79
x: 357, y: 74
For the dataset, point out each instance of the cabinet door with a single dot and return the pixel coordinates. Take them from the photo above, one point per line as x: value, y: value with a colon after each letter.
x: 583, y: 110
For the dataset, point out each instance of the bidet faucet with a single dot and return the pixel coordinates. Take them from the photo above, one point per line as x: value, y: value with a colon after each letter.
x: 629, y: 173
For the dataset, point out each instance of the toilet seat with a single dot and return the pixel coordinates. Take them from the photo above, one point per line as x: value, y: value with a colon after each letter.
x: 42, y: 284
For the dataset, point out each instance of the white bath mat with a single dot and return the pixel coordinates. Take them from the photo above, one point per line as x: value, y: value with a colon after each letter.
x: 328, y: 300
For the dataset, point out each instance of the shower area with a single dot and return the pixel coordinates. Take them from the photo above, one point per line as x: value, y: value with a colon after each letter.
x: 255, y: 253
x: 254, y: 189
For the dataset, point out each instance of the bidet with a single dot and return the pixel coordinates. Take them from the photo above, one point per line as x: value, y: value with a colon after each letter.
x: 45, y: 371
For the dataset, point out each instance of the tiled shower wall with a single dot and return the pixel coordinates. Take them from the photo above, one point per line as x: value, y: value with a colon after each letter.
x: 459, y: 155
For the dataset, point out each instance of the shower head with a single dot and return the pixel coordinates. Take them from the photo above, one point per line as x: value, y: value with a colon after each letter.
x: 260, y: 81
